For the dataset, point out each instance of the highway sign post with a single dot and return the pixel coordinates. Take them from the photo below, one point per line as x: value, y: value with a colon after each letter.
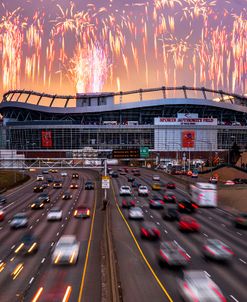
x: 144, y: 152
x: 105, y: 182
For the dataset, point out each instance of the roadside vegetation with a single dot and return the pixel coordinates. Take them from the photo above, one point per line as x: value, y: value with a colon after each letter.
x: 11, y: 179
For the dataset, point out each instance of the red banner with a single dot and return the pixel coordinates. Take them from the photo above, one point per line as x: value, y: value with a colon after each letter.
x: 188, y: 139
x: 46, y: 139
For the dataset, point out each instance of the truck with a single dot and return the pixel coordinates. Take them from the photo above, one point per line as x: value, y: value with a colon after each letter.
x: 203, y: 194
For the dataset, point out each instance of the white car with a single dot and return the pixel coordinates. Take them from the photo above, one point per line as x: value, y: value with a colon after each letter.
x: 66, y: 250
x: 63, y: 174
x: 198, y: 286
x: 20, y: 220
x: 136, y: 213
x: 143, y: 191
x: 40, y: 177
x: 156, y: 177
x: 55, y: 214
x: 124, y: 190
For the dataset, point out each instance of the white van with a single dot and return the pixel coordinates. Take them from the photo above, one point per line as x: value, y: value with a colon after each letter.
x: 204, y: 194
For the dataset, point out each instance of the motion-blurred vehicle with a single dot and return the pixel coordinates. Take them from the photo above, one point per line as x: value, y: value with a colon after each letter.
x: 213, y: 179
x: 49, y: 179
x: 188, y: 224
x: 82, y: 212
x: 196, y: 285
x: 149, y: 230
x: 73, y: 186
x: 171, y: 185
x: 75, y: 175
x: 169, y: 197
x: 53, y: 170
x: 187, y: 206
x: 89, y: 185
x: 126, y: 170
x: 156, y: 203
x: 40, y: 177
x: 66, y: 195
x: 38, y: 204
x: 125, y: 191
x: 110, y: 172
x: 3, y: 200
x: 240, y: 220
x: 2, y: 214
x: 136, y: 213
x: 45, y: 184
x: 122, y: 172
x: 19, y: 220
x: 156, y: 178
x: 229, y: 183
x: 38, y: 188
x: 114, y: 174
x: 44, y: 197
x: 66, y: 250
x: 131, y: 178
x: 28, y: 245
x: 142, y: 191
x: 126, y: 204
x: 172, y: 254
x: 63, y: 174
x: 170, y: 212
x: 135, y: 184
x: 240, y: 181
x: 156, y: 186
x: 215, y: 249
x: 137, y: 173
x: 54, y: 214
x: 194, y: 175
x: 204, y: 194
x: 45, y: 172
x: 57, y: 184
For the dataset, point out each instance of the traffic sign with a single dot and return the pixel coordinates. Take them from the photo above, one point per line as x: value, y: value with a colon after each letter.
x: 144, y: 152
x: 105, y: 182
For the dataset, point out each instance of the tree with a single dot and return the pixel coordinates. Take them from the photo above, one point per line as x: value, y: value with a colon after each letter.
x: 234, y: 153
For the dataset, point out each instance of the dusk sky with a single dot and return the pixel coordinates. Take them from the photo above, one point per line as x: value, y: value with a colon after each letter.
x: 64, y: 47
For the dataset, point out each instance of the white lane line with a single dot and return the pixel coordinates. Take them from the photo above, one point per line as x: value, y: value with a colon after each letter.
x: 12, y: 247
x: 239, y: 234
x: 205, y: 235
x: 223, y: 224
x: 22, y: 187
x: 158, y: 223
x: 207, y: 274
x: 166, y: 232
x: 57, y: 233
x: 1, y: 228
x: 151, y: 216
x: 31, y: 280
x: 233, y: 298
x: 242, y: 261
x: 43, y: 260
x: 8, y: 205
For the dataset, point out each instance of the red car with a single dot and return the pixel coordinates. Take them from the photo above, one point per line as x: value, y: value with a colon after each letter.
x: 82, y: 212
x: 171, y: 185
x: 188, y: 223
x: 126, y: 204
x: 150, y: 231
x: 1, y: 215
x: 169, y: 197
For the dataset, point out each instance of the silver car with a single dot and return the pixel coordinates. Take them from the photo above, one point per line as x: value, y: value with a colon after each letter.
x: 136, y: 213
x: 217, y: 250
x: 19, y: 220
x: 172, y: 254
x: 196, y: 285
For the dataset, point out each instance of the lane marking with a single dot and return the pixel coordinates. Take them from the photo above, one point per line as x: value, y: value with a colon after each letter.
x: 234, y: 298
x: 140, y: 250
x: 242, y: 260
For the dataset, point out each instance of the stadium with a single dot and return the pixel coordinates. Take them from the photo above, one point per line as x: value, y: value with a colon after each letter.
x: 165, y: 120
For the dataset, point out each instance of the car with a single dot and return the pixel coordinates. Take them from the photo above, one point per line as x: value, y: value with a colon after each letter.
x: 125, y: 191
x: 122, y: 173
x: 229, y: 183
x: 49, y: 179
x: 44, y: 197
x: 53, y: 170
x: 126, y: 204
x: 57, y: 184
x: 75, y: 175
x: 137, y: 173
x: 28, y: 245
x: 110, y: 172
x: 55, y: 214
x: 240, y: 220
x: 3, y: 199
x: 82, y: 212
x: 149, y: 230
x: 45, y: 184
x: 215, y: 249
x: 136, y: 213
x: 73, y: 186
x: 188, y: 223
x: 194, y: 175
x: 170, y: 212
x: 171, y: 185
x: 131, y: 178
x: 169, y: 197
x: 213, y: 179
x: 63, y: 174
x: 156, y: 177
x: 40, y: 177
x: 196, y: 285
x: 45, y: 172
x: 114, y: 174
x: 156, y: 186
x: 66, y: 251
x: 38, y: 188
x: 126, y: 170
x: 66, y: 195
x: 2, y: 214
x: 143, y: 191
x: 187, y: 206
x: 89, y: 185
x: 38, y: 204
x: 156, y: 203
x: 135, y: 184
x: 19, y: 220
x: 172, y: 254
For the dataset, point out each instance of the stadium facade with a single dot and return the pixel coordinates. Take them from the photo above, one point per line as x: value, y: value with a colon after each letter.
x: 164, y: 119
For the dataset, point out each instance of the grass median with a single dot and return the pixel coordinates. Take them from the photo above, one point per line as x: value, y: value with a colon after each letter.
x: 11, y: 179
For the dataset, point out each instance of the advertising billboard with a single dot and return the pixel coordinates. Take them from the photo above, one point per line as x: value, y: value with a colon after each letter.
x: 46, y: 139
x: 188, y: 138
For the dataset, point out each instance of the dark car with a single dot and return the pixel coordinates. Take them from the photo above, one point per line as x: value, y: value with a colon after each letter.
x: 240, y: 181
x: 49, y: 179
x: 28, y: 245
x: 45, y: 172
x: 170, y: 212
x: 131, y: 179
x: 171, y: 185
x: 45, y: 184
x: 135, y: 184
x: 44, y: 197
x: 149, y: 230
x: 188, y: 224
x: 114, y: 174
x: 73, y: 186
x: 75, y: 175
x: 126, y: 204
x: 38, y: 204
x: 66, y: 196
x: 156, y: 203
x: 240, y: 220
x: 89, y: 185
x: 3, y: 199
x: 169, y: 197
x: 82, y: 212
x: 57, y: 184
x: 38, y: 188
x: 137, y: 173
x: 187, y: 206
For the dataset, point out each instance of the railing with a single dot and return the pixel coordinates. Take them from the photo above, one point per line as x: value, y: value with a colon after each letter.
x: 25, y: 96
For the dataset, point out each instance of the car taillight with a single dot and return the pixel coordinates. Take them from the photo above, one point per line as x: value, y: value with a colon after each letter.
x: 186, y: 257
x: 144, y: 232
x: 157, y: 232
x: 209, y: 250
x: 219, y: 294
x: 174, y: 197
x: 194, y: 206
x: 162, y: 254
x: 193, y: 296
x: 165, y: 197
x: 240, y: 219
x: 227, y: 250
x: 181, y: 206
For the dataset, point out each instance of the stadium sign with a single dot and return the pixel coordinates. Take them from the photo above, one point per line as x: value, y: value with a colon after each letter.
x: 172, y: 121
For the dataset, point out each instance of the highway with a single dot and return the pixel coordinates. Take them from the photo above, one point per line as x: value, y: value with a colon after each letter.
x: 142, y: 279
